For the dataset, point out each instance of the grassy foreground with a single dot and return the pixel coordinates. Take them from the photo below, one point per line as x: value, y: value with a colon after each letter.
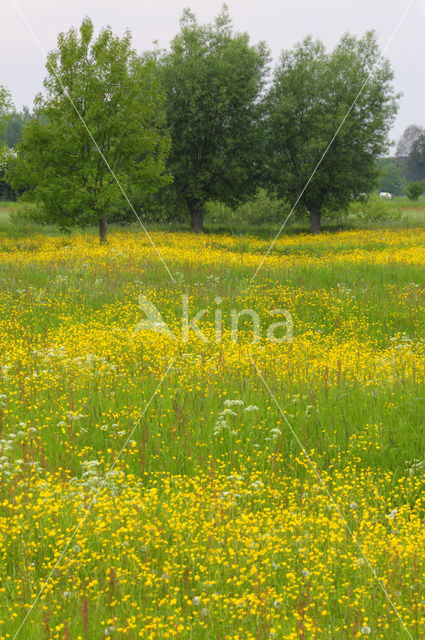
x: 212, y: 524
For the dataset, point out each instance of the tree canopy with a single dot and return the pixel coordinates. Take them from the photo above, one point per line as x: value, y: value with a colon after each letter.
x: 6, y: 108
x: 118, y: 95
x: 312, y: 93
x: 409, y: 136
x: 15, y: 122
x: 214, y: 80
x: 391, y: 177
x: 112, y: 126
x: 415, y: 162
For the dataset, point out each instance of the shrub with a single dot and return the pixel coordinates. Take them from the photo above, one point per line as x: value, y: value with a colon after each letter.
x: 415, y: 189
x: 373, y: 209
x: 260, y: 210
x: 28, y: 213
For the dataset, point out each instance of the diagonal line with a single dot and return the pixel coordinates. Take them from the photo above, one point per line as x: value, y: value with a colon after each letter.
x: 92, y: 501
x: 347, y: 526
x: 37, y: 41
x: 397, y: 27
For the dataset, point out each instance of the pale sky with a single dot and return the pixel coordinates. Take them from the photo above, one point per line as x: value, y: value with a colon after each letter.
x: 281, y: 23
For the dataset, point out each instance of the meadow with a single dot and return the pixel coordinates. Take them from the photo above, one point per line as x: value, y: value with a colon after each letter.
x: 214, y: 522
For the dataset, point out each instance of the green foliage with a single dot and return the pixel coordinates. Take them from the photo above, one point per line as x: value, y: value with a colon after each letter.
x: 6, y: 107
x: 415, y: 189
x: 7, y: 157
x: 415, y: 162
x: 373, y: 209
x: 13, y: 128
x: 311, y: 94
x: 28, y: 213
x: 390, y: 178
x: 262, y: 209
x: 213, y: 79
x: 408, y: 139
x: 118, y: 95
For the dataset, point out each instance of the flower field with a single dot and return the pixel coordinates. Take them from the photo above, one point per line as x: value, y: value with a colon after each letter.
x: 216, y: 490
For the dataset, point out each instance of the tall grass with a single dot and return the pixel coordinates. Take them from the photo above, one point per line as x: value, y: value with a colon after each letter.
x: 213, y: 523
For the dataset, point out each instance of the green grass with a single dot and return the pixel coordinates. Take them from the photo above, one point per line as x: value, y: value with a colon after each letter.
x: 70, y: 372
x: 412, y: 214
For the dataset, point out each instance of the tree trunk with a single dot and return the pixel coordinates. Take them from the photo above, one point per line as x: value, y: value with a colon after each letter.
x: 103, y: 229
x: 197, y: 220
x: 315, y: 220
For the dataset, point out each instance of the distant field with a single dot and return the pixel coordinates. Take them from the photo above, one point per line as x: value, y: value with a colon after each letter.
x: 414, y: 211
x: 212, y: 523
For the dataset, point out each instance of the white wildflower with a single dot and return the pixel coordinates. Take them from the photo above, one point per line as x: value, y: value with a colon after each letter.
x: 233, y: 403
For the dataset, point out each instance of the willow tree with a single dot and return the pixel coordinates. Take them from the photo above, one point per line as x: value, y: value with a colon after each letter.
x: 103, y: 105
x: 315, y: 95
x: 214, y: 80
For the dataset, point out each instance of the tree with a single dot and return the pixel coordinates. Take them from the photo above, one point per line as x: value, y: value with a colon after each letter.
x: 415, y: 163
x: 118, y: 95
x: 15, y: 123
x: 311, y: 94
x: 6, y: 107
x: 6, y: 155
x: 390, y: 177
x: 415, y: 189
x: 214, y: 79
x: 407, y: 139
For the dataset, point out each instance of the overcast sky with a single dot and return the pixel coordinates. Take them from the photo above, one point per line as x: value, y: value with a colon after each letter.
x: 281, y: 23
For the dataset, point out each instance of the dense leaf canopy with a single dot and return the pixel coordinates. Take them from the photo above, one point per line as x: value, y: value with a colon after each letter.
x: 313, y: 93
x: 103, y: 87
x: 214, y: 81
